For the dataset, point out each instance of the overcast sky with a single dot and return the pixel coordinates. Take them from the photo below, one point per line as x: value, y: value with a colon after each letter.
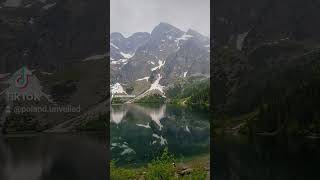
x: 130, y: 16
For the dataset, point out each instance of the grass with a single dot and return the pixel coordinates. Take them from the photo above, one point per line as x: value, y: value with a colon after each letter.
x: 161, y: 168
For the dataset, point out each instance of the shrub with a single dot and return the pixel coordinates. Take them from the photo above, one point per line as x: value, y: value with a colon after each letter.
x: 117, y: 173
x: 161, y: 168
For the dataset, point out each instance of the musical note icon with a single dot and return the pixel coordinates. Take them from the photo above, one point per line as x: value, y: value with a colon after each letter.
x: 22, y: 78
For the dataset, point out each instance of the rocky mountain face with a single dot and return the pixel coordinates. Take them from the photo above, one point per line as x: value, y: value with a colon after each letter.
x: 122, y: 47
x: 265, y: 65
x: 249, y: 23
x: 45, y: 34
x: 63, y: 44
x: 144, y: 62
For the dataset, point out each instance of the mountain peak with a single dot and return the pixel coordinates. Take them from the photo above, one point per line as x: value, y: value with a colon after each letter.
x: 165, y: 24
x: 196, y: 34
x: 163, y: 28
x: 139, y: 34
x: 116, y: 35
x: 161, y: 58
x: 191, y: 31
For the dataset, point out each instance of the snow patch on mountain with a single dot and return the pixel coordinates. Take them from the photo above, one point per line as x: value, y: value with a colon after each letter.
x: 161, y: 63
x: 117, y: 89
x: 240, y: 40
x: 184, y: 37
x: 151, y: 62
x: 95, y: 57
x: 127, y: 56
x: 48, y: 6
x: 28, y: 5
x: 114, y: 46
x: 120, y: 61
x: 156, y: 85
x: 145, y: 78
x: 185, y: 74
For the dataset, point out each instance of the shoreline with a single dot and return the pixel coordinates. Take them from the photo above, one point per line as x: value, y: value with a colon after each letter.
x: 181, y: 168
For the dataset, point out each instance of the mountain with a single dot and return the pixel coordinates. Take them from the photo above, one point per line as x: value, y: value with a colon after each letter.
x: 63, y: 44
x: 46, y: 34
x: 249, y: 23
x: 265, y: 69
x: 122, y: 47
x: 147, y: 64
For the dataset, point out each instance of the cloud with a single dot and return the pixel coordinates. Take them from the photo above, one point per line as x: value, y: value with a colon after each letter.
x: 130, y: 16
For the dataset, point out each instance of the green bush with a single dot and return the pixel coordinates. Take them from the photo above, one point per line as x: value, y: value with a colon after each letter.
x: 156, y: 98
x: 117, y: 100
x: 193, y: 93
x: 160, y: 168
x: 117, y: 173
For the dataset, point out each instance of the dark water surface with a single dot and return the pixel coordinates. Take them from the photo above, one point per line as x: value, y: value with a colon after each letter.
x: 53, y: 157
x: 265, y: 158
x: 139, y: 133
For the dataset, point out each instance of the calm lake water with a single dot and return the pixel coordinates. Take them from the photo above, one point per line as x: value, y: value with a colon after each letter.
x: 265, y: 158
x: 53, y: 157
x: 140, y: 133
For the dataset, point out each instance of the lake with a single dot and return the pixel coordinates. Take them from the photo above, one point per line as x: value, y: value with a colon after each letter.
x: 139, y: 133
x: 265, y: 158
x: 53, y: 156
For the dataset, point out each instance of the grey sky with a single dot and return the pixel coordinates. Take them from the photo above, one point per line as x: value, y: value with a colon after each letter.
x: 130, y: 16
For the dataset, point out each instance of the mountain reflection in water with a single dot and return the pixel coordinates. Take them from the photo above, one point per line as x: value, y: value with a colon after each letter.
x: 141, y: 132
x: 52, y: 157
